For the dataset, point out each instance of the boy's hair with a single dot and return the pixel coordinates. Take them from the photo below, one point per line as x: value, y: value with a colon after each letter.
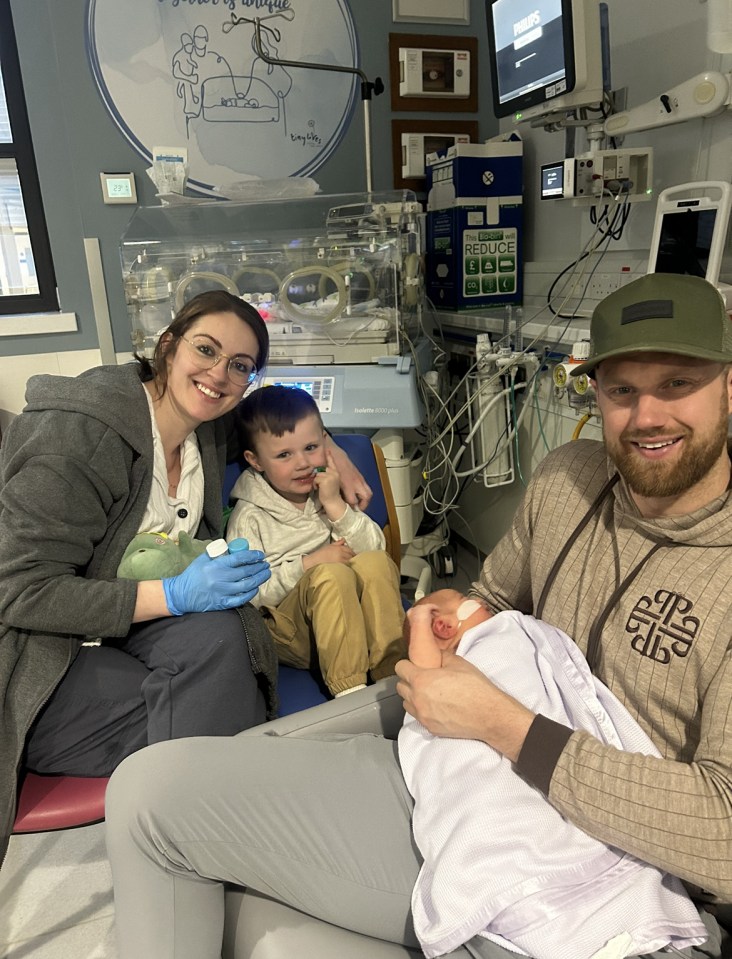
x: 274, y: 409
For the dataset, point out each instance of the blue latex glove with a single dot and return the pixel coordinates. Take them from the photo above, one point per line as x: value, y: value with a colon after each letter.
x: 222, y: 583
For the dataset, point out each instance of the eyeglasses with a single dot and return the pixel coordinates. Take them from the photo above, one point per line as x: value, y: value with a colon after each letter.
x: 241, y: 368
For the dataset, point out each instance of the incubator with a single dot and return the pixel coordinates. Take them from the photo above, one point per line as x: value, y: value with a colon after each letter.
x: 337, y: 279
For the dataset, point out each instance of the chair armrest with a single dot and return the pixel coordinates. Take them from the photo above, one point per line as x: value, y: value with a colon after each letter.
x: 376, y: 709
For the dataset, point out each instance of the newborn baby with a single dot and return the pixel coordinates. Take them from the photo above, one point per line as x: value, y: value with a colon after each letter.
x: 438, y: 622
x: 499, y: 861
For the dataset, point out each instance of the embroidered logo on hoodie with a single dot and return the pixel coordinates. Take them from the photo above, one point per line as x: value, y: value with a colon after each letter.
x: 662, y: 626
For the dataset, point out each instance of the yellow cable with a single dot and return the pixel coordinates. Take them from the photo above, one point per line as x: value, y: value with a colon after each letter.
x: 578, y: 428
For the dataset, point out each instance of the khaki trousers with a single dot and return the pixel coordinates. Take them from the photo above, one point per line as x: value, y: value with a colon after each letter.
x: 345, y: 617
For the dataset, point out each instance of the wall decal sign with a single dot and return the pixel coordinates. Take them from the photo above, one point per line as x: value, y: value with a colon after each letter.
x: 188, y: 72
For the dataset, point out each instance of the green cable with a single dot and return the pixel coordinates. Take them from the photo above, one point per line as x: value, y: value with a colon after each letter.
x: 538, y: 411
x: 516, y: 435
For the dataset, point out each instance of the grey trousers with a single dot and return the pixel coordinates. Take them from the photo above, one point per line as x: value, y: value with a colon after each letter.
x: 173, y: 677
x: 320, y: 822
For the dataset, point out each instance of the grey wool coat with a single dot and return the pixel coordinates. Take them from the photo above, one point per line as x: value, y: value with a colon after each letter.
x: 75, y: 476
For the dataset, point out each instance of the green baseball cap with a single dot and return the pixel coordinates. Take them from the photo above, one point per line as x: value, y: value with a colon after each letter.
x: 660, y: 313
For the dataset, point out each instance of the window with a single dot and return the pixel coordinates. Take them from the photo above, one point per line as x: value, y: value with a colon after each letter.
x: 27, y: 280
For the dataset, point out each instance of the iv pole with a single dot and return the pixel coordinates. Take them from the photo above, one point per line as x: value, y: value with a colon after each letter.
x: 368, y: 88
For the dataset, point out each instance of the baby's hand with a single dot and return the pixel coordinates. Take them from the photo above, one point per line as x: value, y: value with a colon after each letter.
x: 424, y: 650
x: 422, y: 613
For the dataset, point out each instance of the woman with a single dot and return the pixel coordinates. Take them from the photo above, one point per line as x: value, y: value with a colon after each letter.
x: 93, y: 667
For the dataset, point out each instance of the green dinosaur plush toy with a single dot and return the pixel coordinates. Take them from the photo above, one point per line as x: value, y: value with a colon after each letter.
x: 157, y: 555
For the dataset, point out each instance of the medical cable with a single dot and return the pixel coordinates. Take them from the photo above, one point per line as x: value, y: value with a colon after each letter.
x: 537, y: 407
x: 210, y: 277
x: 607, y: 228
x: 340, y: 301
x: 517, y: 455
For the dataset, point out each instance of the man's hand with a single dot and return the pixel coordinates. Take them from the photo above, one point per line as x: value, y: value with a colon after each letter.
x: 459, y: 702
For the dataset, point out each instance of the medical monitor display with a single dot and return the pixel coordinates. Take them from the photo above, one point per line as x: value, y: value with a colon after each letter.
x: 305, y: 385
x: 685, y: 242
x: 544, y: 55
x: 690, y: 229
x: 552, y: 180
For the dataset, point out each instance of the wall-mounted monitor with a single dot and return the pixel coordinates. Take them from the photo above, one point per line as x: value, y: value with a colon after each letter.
x: 690, y: 229
x: 546, y: 56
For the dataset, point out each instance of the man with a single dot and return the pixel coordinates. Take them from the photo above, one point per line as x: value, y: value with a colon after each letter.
x: 627, y: 547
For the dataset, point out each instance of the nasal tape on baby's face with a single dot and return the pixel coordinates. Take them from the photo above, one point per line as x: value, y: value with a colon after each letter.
x: 466, y: 609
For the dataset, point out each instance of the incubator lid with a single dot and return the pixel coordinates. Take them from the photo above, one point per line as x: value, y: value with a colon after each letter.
x: 362, y: 213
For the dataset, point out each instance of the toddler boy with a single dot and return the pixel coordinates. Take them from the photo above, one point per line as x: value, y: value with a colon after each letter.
x: 333, y: 596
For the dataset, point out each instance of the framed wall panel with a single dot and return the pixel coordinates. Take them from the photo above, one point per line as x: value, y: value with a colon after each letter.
x: 432, y: 11
x: 433, y: 73
x: 436, y: 134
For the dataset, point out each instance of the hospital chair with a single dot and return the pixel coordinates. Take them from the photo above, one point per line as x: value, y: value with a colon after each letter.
x: 49, y: 803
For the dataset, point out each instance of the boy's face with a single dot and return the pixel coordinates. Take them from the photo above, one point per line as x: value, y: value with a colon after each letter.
x: 288, y: 461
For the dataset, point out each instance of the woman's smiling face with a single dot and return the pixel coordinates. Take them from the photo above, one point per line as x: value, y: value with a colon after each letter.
x: 200, y: 395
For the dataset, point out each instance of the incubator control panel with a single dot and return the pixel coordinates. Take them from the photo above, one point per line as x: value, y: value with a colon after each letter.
x: 357, y: 396
x: 319, y: 387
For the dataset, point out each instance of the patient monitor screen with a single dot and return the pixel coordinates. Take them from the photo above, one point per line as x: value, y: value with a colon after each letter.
x: 685, y: 242
x: 529, y: 45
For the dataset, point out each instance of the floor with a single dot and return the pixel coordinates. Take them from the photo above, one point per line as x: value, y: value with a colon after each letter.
x: 56, y: 897
x: 55, y: 888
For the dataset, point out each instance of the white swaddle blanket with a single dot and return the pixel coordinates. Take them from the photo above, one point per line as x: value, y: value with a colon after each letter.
x: 499, y: 860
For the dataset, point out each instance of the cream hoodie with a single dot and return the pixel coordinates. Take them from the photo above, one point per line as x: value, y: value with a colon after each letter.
x: 285, y: 533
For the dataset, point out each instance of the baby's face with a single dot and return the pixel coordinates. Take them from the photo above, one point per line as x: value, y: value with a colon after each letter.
x: 453, y: 614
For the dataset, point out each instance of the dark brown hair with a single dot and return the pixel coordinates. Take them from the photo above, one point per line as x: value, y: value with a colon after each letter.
x: 273, y: 409
x: 212, y: 301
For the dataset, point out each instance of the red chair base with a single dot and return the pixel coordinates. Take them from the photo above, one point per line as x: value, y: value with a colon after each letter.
x: 59, y: 802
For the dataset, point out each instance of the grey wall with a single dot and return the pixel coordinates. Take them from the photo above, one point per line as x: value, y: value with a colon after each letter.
x: 75, y: 139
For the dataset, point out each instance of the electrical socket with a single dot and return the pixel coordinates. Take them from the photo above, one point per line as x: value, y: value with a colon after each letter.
x: 602, y: 284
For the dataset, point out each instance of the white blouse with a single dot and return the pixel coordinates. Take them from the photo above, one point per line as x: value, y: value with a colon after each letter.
x: 182, y: 512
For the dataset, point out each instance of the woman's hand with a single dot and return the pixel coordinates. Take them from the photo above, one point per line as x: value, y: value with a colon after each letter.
x: 356, y: 491
x: 222, y: 583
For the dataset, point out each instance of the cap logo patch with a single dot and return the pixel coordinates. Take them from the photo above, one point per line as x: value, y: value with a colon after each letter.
x: 647, y: 310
